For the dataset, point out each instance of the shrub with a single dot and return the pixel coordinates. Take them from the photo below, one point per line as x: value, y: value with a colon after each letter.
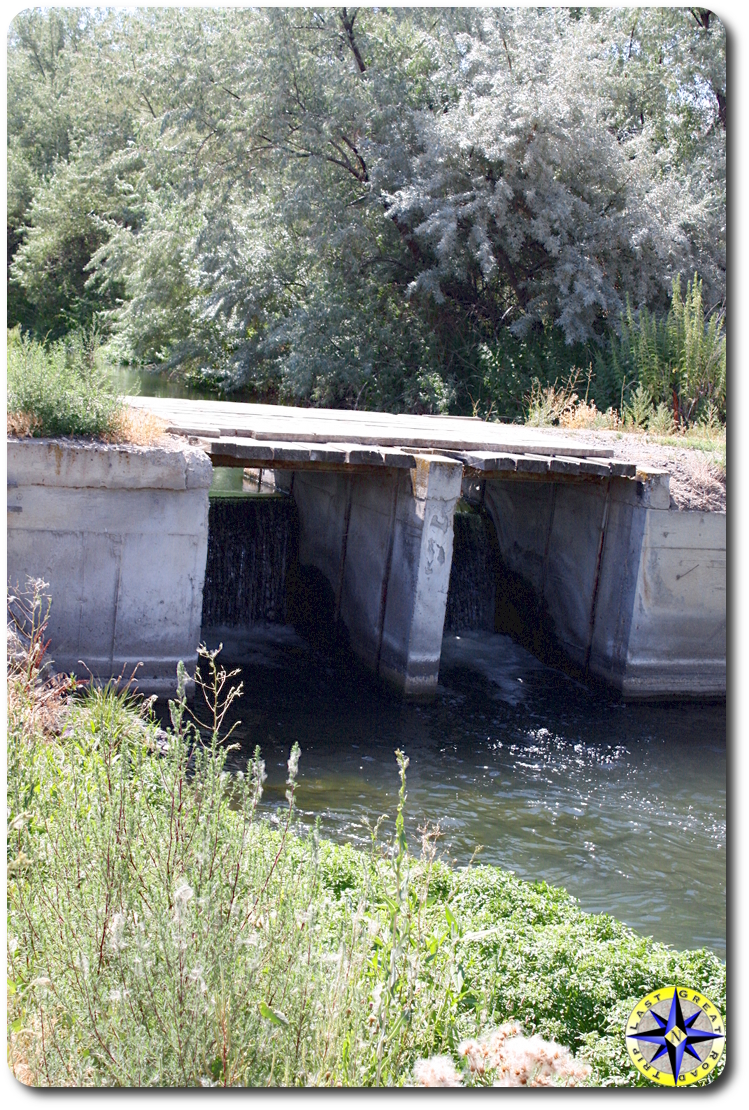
x: 553, y: 404
x: 160, y: 933
x: 59, y: 390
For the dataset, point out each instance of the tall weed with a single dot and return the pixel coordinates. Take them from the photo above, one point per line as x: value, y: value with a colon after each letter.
x: 160, y: 933
x: 61, y: 389
x: 679, y: 361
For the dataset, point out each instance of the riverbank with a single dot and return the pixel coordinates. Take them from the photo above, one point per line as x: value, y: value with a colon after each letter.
x: 694, y: 460
x: 161, y: 932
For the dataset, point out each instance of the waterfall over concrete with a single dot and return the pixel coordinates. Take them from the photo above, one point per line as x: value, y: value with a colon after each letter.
x: 472, y: 593
x: 251, y: 545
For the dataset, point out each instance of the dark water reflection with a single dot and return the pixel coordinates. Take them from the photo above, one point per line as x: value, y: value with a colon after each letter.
x: 624, y: 805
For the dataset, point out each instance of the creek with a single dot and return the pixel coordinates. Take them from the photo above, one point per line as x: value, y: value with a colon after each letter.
x: 624, y: 805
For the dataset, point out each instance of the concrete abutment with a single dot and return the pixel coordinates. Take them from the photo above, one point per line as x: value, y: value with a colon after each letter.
x: 634, y: 591
x: 120, y: 535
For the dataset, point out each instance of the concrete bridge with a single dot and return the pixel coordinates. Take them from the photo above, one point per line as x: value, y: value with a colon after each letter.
x: 632, y: 591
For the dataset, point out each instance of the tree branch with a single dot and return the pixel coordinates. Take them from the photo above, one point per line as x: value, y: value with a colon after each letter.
x: 702, y: 17
x: 360, y: 160
x: 348, y: 26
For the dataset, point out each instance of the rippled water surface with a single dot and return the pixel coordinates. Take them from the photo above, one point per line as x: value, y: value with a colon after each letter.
x: 624, y: 805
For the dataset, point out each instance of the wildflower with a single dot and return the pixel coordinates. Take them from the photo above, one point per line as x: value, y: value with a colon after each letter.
x: 437, y: 1071
x: 196, y: 976
x: 42, y: 982
x: 182, y: 896
x: 534, y: 1062
x: 519, y: 1061
x: 293, y: 762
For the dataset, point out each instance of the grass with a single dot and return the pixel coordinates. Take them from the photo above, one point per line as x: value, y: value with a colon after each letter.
x: 711, y: 442
x: 161, y: 933
x: 62, y: 390
x: 561, y: 405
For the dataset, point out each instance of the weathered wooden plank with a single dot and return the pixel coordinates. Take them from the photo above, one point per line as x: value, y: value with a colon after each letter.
x: 559, y: 465
x: 487, y: 460
x: 533, y: 464
x: 276, y: 423
x: 621, y: 469
x: 268, y: 453
x: 193, y: 428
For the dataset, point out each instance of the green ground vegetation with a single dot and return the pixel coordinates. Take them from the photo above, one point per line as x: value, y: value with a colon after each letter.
x: 162, y: 932
x: 60, y: 389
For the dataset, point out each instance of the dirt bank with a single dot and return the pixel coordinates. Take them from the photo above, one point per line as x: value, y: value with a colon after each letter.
x: 697, y: 481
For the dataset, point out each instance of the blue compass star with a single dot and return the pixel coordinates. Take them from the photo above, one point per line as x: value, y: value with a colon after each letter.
x: 675, y: 1036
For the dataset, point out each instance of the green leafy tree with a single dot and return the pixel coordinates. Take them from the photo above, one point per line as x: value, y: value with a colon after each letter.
x: 346, y: 206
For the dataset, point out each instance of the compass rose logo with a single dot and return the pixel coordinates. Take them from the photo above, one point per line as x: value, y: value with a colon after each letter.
x: 675, y: 1036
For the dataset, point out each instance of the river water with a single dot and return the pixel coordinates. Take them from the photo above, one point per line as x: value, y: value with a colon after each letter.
x: 624, y: 805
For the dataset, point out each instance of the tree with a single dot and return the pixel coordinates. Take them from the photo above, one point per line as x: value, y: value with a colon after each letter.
x: 342, y: 206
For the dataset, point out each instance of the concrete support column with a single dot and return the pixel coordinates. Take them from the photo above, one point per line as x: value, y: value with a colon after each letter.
x: 384, y: 542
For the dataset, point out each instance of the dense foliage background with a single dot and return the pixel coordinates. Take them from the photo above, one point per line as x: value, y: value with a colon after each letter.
x: 407, y: 209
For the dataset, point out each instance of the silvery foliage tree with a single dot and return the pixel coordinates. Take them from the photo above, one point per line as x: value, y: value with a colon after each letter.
x: 329, y: 198
x: 538, y: 177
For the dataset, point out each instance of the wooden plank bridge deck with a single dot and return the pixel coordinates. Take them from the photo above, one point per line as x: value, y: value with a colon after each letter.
x: 286, y: 438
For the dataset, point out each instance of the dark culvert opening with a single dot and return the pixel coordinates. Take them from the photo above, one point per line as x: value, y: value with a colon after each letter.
x: 253, y: 575
x: 485, y: 595
x: 252, y: 542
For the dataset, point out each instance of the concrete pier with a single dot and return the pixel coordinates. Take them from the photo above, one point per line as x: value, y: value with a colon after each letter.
x: 385, y: 546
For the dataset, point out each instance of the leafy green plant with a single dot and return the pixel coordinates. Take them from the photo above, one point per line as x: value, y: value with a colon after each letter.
x: 61, y: 389
x: 161, y: 933
x: 638, y: 409
x: 679, y: 361
x: 661, y: 420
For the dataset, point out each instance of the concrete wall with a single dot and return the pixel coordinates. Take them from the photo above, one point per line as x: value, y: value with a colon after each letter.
x: 677, y: 639
x: 384, y: 542
x: 120, y: 534
x: 635, y: 591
